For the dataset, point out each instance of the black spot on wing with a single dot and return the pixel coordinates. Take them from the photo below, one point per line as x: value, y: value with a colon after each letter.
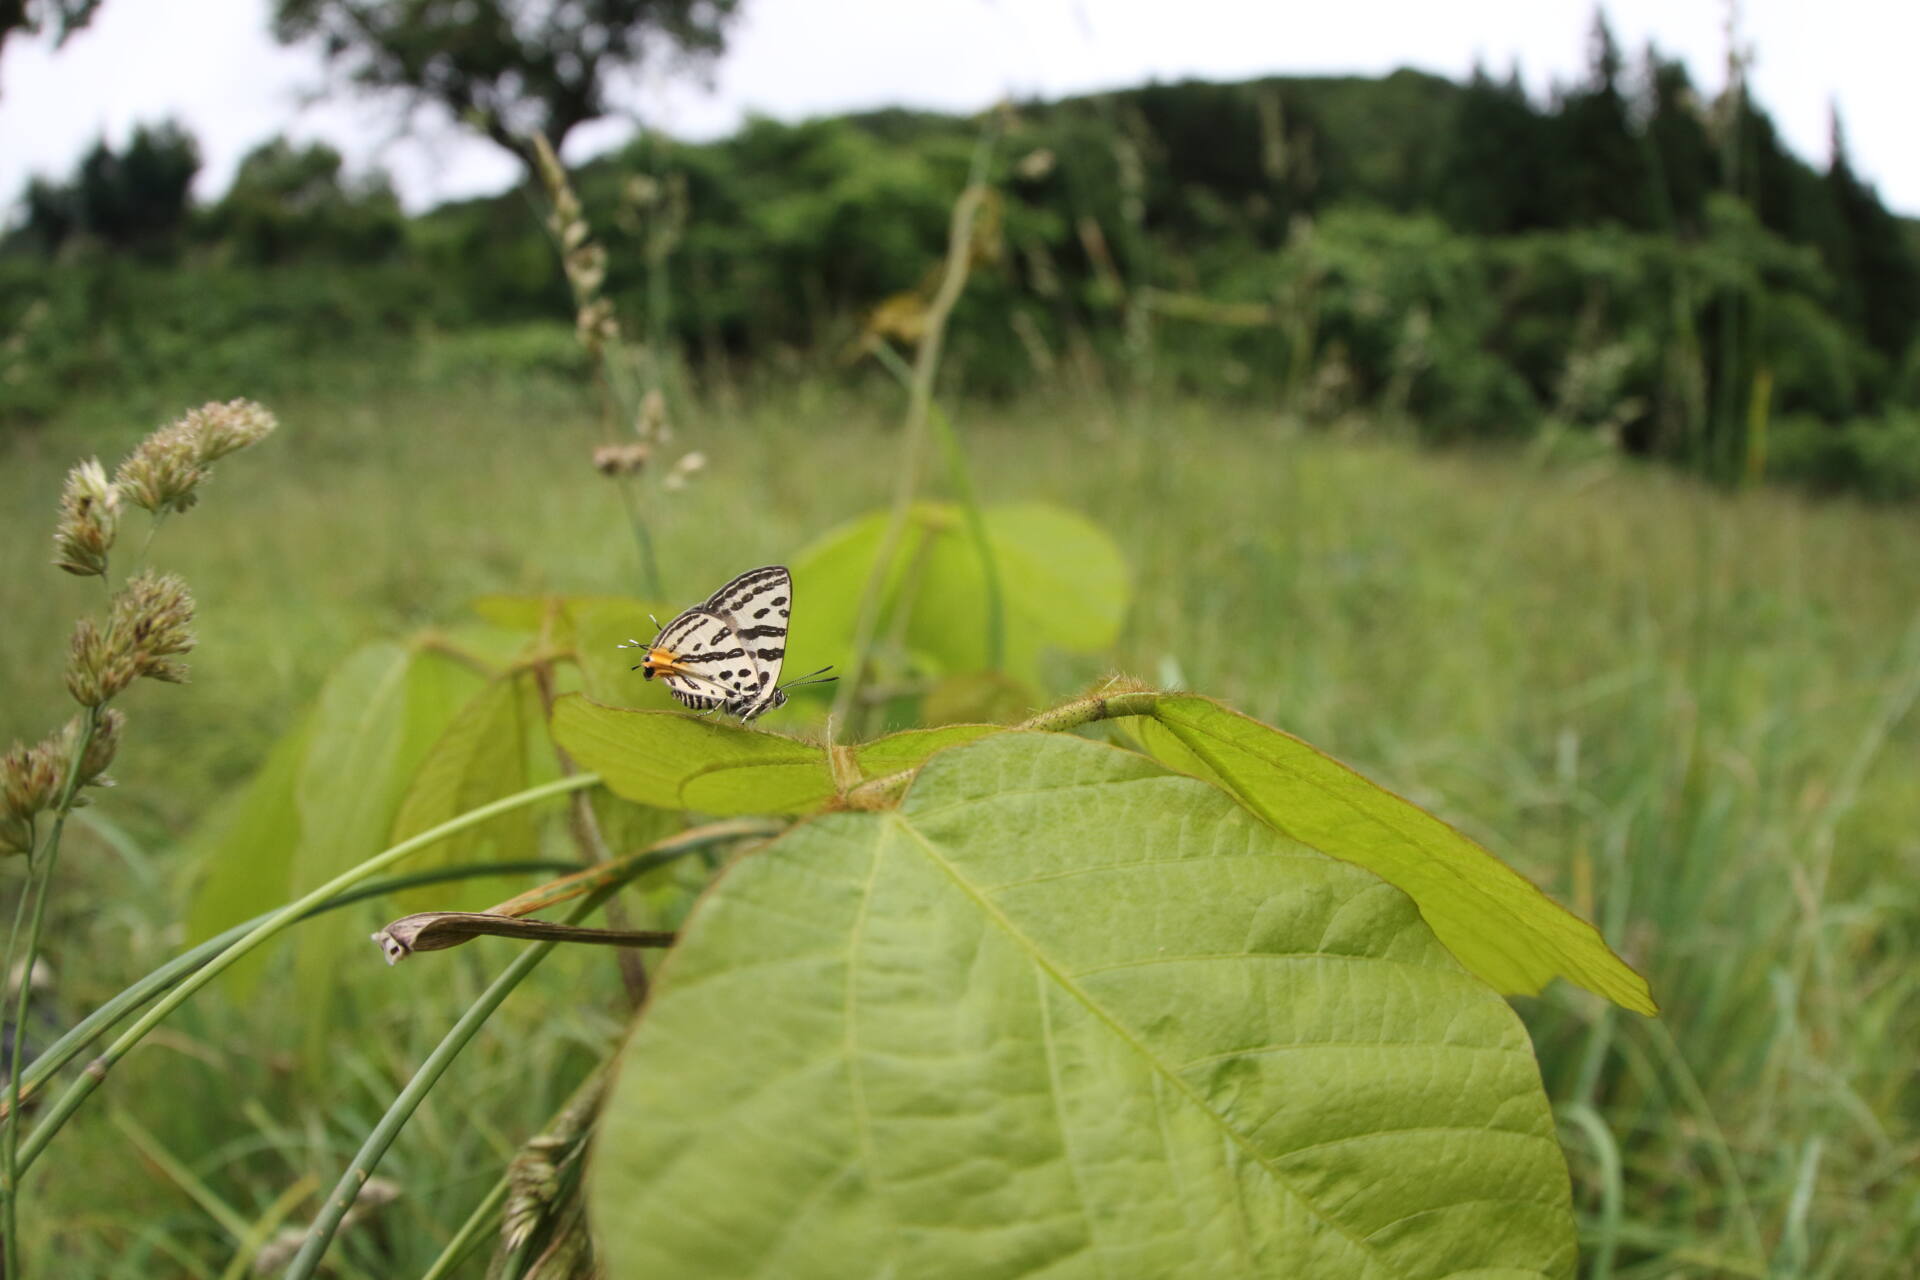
x: 761, y: 633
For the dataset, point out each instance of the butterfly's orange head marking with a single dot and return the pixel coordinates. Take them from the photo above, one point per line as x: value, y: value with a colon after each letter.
x: 659, y: 662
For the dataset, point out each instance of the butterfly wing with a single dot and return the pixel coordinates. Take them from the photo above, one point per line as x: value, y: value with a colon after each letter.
x: 756, y: 606
x: 711, y: 666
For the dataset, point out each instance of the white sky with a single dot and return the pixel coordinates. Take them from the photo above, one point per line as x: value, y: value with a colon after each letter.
x: 212, y: 64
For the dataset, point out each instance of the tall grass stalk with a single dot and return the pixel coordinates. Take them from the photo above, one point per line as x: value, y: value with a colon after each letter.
x: 367, y: 1158
x: 75, y: 1040
x: 961, y: 478
x: 39, y: 881
x: 913, y: 444
x: 287, y: 916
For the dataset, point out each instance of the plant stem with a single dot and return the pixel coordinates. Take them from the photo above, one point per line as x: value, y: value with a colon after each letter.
x: 878, y: 792
x: 84, y: 1032
x: 39, y: 884
x: 292, y: 913
x: 584, y: 827
x: 962, y: 480
x: 913, y: 447
x: 320, y: 1235
x: 468, y: 1235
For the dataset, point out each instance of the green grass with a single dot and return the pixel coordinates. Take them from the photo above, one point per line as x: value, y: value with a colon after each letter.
x: 1689, y: 714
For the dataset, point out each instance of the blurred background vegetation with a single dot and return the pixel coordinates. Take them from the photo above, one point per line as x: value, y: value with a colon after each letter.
x: 1438, y: 423
x: 1628, y: 262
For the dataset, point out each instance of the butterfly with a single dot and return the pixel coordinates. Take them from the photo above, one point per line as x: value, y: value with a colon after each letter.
x: 727, y: 652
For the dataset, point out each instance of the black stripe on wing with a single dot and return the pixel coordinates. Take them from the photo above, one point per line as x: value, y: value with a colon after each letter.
x: 697, y: 629
x: 694, y: 691
x: 768, y: 589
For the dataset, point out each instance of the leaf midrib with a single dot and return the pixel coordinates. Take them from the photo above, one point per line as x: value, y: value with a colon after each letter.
x: 1066, y: 983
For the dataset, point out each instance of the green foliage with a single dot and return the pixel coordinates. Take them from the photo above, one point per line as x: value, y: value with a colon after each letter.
x: 1707, y: 757
x: 670, y: 760
x: 1063, y: 583
x: 1494, y: 921
x: 510, y: 67
x: 1064, y: 1011
x: 1875, y: 458
x: 480, y: 756
x: 135, y: 199
x: 1332, y: 245
x: 289, y: 202
x: 35, y: 16
x: 245, y: 852
x: 328, y: 796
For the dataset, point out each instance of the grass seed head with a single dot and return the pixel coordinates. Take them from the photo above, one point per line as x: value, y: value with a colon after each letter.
x: 596, y: 326
x: 163, y: 470
x: 89, y: 518
x: 534, y: 1178
x: 621, y: 459
x: 651, y: 425
x: 155, y: 614
x: 684, y: 469
x: 149, y: 625
x: 228, y: 428
x: 97, y: 667
x: 30, y: 778
x: 101, y: 748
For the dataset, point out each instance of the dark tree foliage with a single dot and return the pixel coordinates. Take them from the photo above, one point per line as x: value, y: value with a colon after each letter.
x: 1497, y: 163
x: 138, y: 198
x: 1255, y: 152
x: 1600, y: 169
x: 510, y: 67
x: 1681, y: 155
x: 290, y: 202
x: 1878, y: 266
x: 31, y: 17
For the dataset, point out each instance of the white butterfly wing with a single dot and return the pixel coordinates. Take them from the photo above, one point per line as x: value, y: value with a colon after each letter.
x: 756, y: 606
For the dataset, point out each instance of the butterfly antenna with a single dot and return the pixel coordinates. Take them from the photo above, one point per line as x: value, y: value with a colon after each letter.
x: 655, y: 621
x: 812, y: 677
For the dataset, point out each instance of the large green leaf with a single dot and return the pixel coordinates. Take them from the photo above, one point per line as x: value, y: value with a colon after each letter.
x: 479, y: 757
x: 674, y: 760
x: 378, y: 715
x: 532, y: 613
x: 606, y: 670
x: 1495, y: 920
x: 244, y: 855
x: 1064, y: 1013
x: 1063, y: 582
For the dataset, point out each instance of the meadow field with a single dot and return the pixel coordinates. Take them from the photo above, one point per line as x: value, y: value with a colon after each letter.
x: 1686, y: 712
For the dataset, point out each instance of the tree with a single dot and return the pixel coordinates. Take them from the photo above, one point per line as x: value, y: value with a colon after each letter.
x: 292, y: 201
x: 510, y: 67
x: 1603, y: 169
x: 1681, y: 153
x: 35, y: 16
x: 1879, y: 272
x: 1497, y: 160
x: 138, y: 198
